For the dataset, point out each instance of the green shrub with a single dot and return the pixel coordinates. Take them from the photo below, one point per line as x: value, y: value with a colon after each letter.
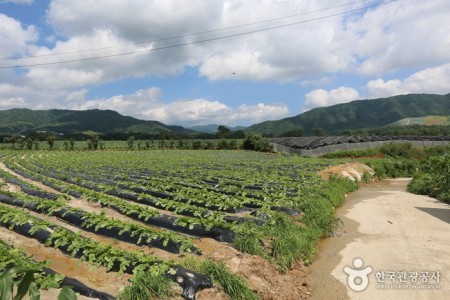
x: 421, y: 184
x: 256, y: 142
x: 392, y: 168
x: 434, y: 179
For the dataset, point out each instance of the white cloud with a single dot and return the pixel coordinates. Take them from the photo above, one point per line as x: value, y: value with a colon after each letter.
x: 434, y: 80
x: 188, y: 111
x: 401, y: 34
x: 62, y: 78
x: 134, y: 20
x: 18, y: 102
x: 258, y: 113
x: 14, y: 38
x: 147, y: 104
x: 373, y: 42
x: 431, y: 80
x: 321, y: 97
x: 11, y: 96
x: 135, y: 104
x: 239, y: 65
x: 204, y: 111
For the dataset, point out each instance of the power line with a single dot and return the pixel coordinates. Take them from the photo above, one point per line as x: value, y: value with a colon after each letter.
x: 196, y: 42
x: 180, y: 36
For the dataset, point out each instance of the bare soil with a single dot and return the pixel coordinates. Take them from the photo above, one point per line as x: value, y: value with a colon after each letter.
x: 352, y: 171
x: 261, y: 275
x: 97, y: 278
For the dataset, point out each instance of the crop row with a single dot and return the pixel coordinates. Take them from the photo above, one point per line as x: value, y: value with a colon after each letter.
x: 102, y: 224
x: 209, y: 226
x: 44, y: 278
x: 97, y: 253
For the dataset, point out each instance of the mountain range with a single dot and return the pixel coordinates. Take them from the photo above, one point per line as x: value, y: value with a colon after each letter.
x: 359, y: 114
x: 23, y: 121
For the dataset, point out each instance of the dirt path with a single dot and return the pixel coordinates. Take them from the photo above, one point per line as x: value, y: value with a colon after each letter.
x: 391, y: 231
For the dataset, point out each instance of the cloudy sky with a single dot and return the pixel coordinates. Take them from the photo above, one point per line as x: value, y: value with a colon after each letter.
x: 235, y: 62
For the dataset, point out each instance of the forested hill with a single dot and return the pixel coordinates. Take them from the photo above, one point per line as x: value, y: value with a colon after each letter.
x: 23, y: 121
x: 360, y: 114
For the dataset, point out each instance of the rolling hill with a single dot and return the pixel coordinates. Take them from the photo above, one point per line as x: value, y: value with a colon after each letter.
x: 23, y: 121
x: 360, y: 114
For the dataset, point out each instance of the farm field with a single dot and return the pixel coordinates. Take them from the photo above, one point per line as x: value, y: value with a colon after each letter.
x: 191, y: 224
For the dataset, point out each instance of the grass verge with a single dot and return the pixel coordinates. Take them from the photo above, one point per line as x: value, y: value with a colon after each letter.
x: 285, y: 239
x: 433, y: 178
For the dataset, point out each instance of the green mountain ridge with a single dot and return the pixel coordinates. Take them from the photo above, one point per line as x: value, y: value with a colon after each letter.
x: 360, y: 114
x: 23, y: 121
x: 414, y: 109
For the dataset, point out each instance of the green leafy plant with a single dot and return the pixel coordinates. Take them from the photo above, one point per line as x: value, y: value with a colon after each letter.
x: 433, y: 178
x: 17, y: 282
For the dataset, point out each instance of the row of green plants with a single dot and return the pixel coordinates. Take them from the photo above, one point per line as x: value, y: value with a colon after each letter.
x: 96, y: 253
x: 252, y: 141
x: 148, y: 270
x: 123, y: 206
x: 94, y: 143
x: 21, y: 276
x: 218, y: 170
x: 10, y: 257
x: 101, y: 220
x: 151, y: 285
x: 212, y: 219
x: 282, y: 180
x: 17, y: 283
x: 131, y: 144
x: 276, y: 185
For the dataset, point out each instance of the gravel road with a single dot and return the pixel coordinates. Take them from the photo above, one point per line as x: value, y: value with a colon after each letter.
x: 401, y: 243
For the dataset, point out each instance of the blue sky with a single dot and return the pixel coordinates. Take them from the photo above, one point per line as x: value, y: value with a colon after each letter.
x: 322, y: 53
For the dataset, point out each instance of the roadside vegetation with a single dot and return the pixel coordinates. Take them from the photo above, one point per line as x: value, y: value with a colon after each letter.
x: 434, y: 177
x: 429, y: 167
x: 392, y: 160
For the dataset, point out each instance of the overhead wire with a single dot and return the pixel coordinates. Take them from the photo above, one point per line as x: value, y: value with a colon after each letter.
x: 182, y: 35
x: 197, y: 41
